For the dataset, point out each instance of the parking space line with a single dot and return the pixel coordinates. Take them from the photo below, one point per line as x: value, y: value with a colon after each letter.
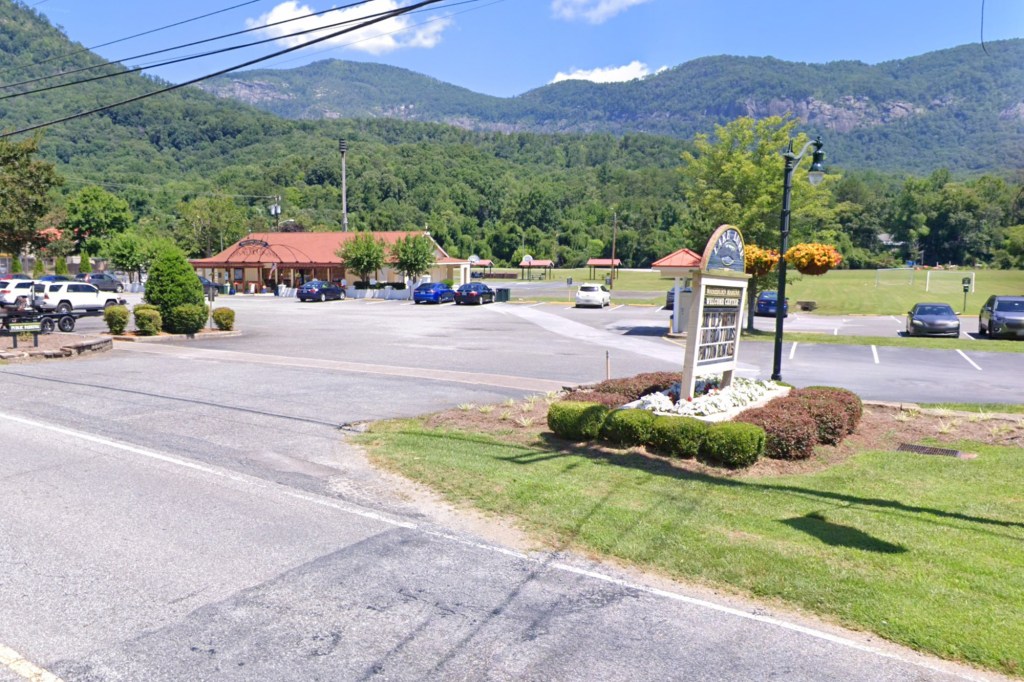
x: 616, y: 307
x: 874, y: 352
x: 835, y: 332
x: 964, y: 356
x: 792, y: 349
x: 13, y: 661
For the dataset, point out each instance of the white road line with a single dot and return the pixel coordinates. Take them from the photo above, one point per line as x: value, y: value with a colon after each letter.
x: 617, y: 306
x: 40, y: 675
x: 896, y: 319
x: 13, y: 661
x: 536, y: 304
x: 835, y: 332
x: 874, y: 353
x: 792, y: 350
x: 964, y: 356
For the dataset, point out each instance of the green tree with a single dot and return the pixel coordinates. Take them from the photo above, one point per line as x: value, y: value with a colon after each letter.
x: 126, y: 251
x: 208, y: 225
x: 413, y: 255
x: 363, y: 254
x: 24, y: 186
x: 172, y: 282
x: 94, y: 214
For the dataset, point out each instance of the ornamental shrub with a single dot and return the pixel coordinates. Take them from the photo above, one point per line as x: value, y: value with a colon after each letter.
x: 790, y: 430
x: 640, y: 385
x: 224, y: 318
x: 628, y: 427
x: 148, y: 320
x: 849, y: 400
x: 576, y: 421
x: 37, y: 269
x: 678, y: 436
x: 116, y: 317
x: 187, y: 318
x: 831, y: 417
x: 733, y: 444
x: 172, y: 282
x: 610, y: 400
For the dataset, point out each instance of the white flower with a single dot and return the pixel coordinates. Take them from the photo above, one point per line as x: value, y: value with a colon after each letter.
x: 740, y: 393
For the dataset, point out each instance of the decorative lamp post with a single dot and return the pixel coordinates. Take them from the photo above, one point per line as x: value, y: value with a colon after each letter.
x: 815, y: 175
x: 275, y: 210
x: 343, y: 148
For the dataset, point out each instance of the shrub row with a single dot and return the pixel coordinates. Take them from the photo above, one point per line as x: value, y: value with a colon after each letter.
x: 184, y: 319
x: 636, y: 386
x: 806, y: 417
x: 729, y: 443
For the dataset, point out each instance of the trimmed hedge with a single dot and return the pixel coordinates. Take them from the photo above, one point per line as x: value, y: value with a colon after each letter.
x: 116, y: 317
x: 148, y: 320
x: 790, y: 430
x: 609, y: 400
x: 831, y: 417
x: 849, y: 400
x: 576, y: 421
x: 224, y: 318
x: 734, y: 444
x: 678, y: 436
x: 187, y: 318
x: 628, y: 427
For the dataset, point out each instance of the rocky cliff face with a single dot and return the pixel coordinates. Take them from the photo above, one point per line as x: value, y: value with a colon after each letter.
x: 845, y: 114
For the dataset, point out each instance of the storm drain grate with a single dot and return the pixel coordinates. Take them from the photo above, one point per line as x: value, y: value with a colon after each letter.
x: 928, y: 450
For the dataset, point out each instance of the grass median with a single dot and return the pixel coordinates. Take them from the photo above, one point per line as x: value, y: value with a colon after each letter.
x: 923, y: 550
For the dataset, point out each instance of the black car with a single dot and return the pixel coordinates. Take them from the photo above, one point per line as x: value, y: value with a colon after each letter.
x: 932, y: 319
x: 101, y: 280
x: 318, y: 290
x: 474, y: 292
x: 1002, y: 316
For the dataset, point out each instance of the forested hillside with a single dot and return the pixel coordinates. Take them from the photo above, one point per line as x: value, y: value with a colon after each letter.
x: 961, y: 108
x: 188, y: 167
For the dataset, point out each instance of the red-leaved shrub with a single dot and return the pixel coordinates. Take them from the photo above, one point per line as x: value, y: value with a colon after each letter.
x: 790, y: 430
x: 640, y: 385
x: 849, y: 401
x: 612, y: 400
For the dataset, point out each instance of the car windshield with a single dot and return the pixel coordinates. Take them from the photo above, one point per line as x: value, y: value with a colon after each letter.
x: 934, y: 310
x: 1010, y: 305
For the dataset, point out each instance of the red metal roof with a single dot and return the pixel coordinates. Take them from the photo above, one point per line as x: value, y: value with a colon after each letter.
x: 604, y: 262
x: 683, y: 258
x: 538, y: 263
x: 299, y: 249
x: 483, y: 264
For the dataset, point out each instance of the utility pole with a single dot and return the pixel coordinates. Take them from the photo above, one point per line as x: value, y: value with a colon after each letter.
x: 615, y: 235
x: 343, y: 148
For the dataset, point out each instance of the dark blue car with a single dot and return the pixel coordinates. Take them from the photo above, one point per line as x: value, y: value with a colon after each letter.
x: 433, y: 292
x: 766, y: 303
x: 317, y: 290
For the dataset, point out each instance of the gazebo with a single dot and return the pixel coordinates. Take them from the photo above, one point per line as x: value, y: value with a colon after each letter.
x: 678, y: 264
x: 603, y: 263
x: 527, y: 266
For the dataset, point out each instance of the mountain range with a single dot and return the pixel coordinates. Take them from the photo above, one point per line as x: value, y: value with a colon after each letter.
x: 961, y: 108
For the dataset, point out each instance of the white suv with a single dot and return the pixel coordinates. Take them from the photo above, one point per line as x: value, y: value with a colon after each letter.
x: 67, y: 296
x: 16, y: 293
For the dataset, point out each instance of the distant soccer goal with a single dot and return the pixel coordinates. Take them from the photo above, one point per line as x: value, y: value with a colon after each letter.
x: 894, y: 276
x: 946, y: 281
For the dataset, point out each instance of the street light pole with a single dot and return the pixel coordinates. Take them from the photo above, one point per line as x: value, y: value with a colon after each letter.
x: 815, y: 176
x: 343, y: 148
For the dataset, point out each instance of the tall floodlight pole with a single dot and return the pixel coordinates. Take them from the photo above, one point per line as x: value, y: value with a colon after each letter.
x: 343, y: 148
x: 815, y: 175
x: 615, y: 234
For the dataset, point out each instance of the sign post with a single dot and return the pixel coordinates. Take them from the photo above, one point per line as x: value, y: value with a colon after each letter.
x: 716, y: 315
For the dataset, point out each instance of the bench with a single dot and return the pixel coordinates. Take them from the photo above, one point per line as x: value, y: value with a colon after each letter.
x: 15, y: 329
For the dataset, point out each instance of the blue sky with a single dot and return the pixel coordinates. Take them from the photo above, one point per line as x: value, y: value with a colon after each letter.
x: 506, y: 47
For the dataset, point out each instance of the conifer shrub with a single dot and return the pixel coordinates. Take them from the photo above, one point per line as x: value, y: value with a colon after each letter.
x: 790, y: 430
x: 576, y: 421
x: 172, y: 282
x: 628, y: 427
x: 734, y: 444
x: 37, y: 269
x: 678, y: 436
x: 187, y: 318
x: 224, y: 318
x: 60, y: 265
x: 116, y: 317
x: 148, y: 320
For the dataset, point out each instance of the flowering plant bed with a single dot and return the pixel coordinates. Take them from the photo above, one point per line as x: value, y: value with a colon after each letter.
x: 711, y: 402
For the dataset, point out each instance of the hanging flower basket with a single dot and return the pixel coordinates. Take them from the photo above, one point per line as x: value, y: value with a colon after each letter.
x: 759, y: 262
x: 813, y: 259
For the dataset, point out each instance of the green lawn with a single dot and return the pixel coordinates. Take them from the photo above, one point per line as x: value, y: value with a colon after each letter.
x: 925, y: 551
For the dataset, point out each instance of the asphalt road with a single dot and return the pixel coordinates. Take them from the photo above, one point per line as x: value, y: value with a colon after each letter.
x: 194, y: 511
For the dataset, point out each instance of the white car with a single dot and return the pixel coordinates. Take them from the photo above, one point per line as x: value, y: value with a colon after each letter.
x: 64, y: 297
x: 593, y: 295
x: 16, y: 293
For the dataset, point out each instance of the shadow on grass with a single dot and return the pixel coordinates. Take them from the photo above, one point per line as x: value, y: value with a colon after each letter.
x: 838, y: 535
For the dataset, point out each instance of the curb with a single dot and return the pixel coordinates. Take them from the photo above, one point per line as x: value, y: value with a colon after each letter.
x: 70, y: 350
x: 177, y: 337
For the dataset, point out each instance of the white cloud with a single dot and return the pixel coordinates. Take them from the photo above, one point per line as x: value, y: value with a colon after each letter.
x: 611, y: 74
x: 384, y: 36
x: 594, y: 11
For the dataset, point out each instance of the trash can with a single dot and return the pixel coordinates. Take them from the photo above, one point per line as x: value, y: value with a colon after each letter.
x: 225, y: 288
x: 502, y: 295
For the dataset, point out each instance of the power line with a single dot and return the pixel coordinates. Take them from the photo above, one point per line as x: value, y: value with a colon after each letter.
x: 395, y: 13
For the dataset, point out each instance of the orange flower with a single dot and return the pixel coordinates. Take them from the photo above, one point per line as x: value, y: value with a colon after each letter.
x: 813, y: 259
x: 758, y: 261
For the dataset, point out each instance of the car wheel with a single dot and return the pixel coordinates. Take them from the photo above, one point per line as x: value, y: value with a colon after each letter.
x: 63, y: 307
x: 119, y: 288
x: 110, y: 302
x: 47, y: 325
x: 66, y: 323
x: 323, y: 297
x: 990, y: 331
